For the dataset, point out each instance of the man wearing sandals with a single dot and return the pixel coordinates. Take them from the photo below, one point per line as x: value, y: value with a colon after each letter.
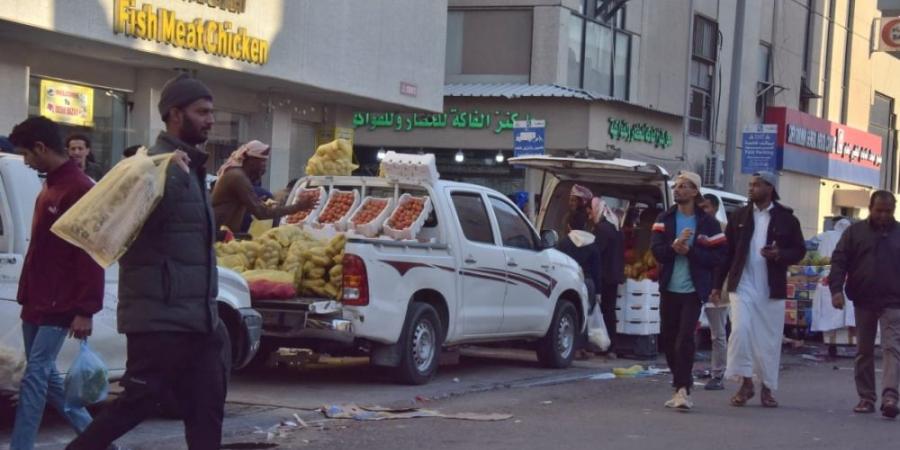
x: 764, y: 238
x: 863, y: 250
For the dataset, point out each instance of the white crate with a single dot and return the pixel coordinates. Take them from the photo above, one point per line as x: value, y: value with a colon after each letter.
x: 642, y: 313
x: 640, y: 328
x: 620, y: 313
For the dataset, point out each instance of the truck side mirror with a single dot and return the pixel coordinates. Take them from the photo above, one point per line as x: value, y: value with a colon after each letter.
x: 549, y: 238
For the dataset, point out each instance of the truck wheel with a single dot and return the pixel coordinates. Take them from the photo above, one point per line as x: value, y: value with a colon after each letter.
x: 420, y: 344
x: 556, y: 349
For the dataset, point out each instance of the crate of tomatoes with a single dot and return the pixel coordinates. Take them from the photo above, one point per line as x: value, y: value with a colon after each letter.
x: 370, y: 216
x: 408, y: 218
x: 306, y: 215
x: 337, y: 209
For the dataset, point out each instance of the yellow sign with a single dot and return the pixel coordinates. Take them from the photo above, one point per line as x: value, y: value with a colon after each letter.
x: 67, y: 103
x: 213, y: 37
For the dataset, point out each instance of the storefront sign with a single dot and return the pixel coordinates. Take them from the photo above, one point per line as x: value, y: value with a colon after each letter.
x: 498, y: 121
x: 234, y: 6
x: 759, y: 150
x: 528, y: 137
x: 621, y: 130
x: 888, y: 34
x: 67, y: 103
x: 217, y: 38
x: 815, y: 146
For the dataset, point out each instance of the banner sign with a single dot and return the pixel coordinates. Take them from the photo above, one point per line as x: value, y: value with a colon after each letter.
x: 67, y: 103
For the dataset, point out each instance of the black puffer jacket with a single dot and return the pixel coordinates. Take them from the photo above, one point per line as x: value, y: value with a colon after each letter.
x: 168, y: 279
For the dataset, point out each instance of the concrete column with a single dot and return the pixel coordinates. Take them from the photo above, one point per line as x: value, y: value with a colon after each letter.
x: 146, y: 122
x: 279, y: 162
x: 14, y: 92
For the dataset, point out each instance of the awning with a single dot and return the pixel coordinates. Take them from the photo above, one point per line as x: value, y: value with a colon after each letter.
x: 850, y: 198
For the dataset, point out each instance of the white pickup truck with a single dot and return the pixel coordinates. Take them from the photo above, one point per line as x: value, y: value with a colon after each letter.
x: 19, y: 188
x: 476, y: 272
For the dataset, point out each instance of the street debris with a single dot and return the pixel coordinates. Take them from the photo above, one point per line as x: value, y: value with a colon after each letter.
x: 374, y: 413
x: 604, y: 376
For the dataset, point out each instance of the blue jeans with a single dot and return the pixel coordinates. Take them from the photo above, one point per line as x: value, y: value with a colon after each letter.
x: 40, y: 384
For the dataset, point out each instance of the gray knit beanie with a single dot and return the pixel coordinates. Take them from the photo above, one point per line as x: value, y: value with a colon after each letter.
x: 181, y: 91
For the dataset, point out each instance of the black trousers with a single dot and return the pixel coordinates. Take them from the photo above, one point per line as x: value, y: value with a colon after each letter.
x: 608, y: 294
x: 188, y: 364
x: 679, y: 314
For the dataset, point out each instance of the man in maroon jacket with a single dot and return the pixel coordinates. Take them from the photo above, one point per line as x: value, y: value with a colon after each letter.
x: 61, y: 287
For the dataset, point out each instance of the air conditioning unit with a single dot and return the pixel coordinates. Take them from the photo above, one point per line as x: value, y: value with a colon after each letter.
x: 714, y: 171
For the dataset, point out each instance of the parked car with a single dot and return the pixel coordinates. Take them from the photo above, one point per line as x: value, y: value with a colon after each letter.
x: 477, y: 272
x: 19, y: 188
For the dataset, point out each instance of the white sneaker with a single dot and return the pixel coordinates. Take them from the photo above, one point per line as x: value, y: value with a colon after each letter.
x: 671, y: 402
x: 682, y: 400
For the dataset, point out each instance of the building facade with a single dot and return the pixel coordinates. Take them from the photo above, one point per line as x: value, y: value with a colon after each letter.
x: 286, y: 72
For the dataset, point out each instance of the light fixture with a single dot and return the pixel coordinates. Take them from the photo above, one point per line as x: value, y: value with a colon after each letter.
x: 381, y: 154
x: 459, y: 157
x: 499, y: 158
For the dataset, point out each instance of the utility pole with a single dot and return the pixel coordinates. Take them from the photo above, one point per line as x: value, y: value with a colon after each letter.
x: 734, y: 100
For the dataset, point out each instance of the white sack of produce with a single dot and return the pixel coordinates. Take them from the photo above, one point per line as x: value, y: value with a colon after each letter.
x: 12, y: 367
x: 106, y: 220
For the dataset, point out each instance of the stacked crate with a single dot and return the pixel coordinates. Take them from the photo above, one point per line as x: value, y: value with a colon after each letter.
x: 637, y: 318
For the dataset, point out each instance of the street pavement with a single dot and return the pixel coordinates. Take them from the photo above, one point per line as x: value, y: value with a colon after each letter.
x: 549, y: 408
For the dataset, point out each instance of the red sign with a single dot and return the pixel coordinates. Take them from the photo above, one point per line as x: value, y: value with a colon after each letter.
x: 408, y: 89
x: 889, y: 34
x: 819, y: 147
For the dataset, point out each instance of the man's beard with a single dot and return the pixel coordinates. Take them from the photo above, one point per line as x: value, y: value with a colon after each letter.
x: 192, y: 134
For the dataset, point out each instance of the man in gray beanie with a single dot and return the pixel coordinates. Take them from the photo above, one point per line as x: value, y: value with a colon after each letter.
x: 168, y: 286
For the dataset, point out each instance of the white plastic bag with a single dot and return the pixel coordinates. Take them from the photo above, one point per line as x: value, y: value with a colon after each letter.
x: 87, y: 381
x: 597, y: 334
x: 12, y: 368
x: 106, y: 220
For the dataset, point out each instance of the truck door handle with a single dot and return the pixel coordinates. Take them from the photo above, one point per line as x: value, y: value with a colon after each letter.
x: 470, y: 260
x: 512, y: 264
x: 545, y: 266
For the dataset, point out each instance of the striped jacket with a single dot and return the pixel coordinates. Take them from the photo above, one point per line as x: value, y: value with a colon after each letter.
x: 708, y: 251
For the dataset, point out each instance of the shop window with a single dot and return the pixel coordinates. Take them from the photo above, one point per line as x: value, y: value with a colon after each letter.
x: 228, y: 133
x: 473, y: 217
x: 883, y: 122
x: 703, y: 61
x: 599, y: 49
x: 765, y: 89
x: 514, y: 229
x: 107, y: 125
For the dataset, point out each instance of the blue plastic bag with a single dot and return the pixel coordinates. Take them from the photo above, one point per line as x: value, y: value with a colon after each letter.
x: 87, y: 381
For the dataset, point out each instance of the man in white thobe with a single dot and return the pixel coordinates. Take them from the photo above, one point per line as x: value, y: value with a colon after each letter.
x: 764, y: 238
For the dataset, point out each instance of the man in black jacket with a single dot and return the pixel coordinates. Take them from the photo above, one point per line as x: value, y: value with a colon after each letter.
x: 168, y: 284
x: 688, y: 244
x: 764, y: 238
x: 611, y: 243
x: 864, y: 249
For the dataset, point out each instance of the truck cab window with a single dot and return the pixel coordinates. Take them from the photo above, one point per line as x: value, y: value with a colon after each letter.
x: 473, y: 217
x: 514, y: 229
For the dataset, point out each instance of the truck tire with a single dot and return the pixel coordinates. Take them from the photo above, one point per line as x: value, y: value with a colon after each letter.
x: 420, y: 344
x: 557, y: 348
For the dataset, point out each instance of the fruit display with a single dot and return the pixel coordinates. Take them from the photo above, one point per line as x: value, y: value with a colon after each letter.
x: 334, y: 158
x: 640, y: 267
x: 315, y: 195
x: 371, y: 208
x: 338, y: 207
x: 407, y: 212
x: 814, y: 259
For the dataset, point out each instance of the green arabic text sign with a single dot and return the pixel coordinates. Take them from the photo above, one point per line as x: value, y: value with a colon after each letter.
x: 621, y: 130
x: 497, y: 121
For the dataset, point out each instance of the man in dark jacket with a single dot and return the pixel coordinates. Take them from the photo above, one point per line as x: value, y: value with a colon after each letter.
x: 581, y: 246
x: 764, y: 238
x: 61, y: 287
x: 167, y: 290
x: 688, y: 244
x: 611, y: 243
x: 859, y: 260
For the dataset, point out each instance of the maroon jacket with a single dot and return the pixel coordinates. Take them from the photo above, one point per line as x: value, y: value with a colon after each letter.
x: 58, y: 279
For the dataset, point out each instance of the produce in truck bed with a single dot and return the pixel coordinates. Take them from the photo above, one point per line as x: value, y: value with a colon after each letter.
x: 311, y: 194
x: 369, y: 211
x: 338, y: 206
x: 407, y: 213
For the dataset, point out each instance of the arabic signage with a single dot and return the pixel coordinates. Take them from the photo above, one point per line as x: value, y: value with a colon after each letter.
x: 234, y: 6
x: 528, y: 137
x: 67, y: 103
x: 808, y: 144
x: 497, y: 121
x: 888, y: 34
x: 758, y: 150
x: 210, y: 36
x: 621, y: 130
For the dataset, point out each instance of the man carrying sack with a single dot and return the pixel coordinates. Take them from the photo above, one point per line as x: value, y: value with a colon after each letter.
x: 167, y: 290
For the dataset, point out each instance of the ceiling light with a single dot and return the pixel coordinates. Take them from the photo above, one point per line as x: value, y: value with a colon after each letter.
x: 499, y: 158
x: 381, y: 154
x: 459, y: 157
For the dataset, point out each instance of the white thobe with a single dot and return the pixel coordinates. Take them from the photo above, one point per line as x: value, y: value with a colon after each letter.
x: 757, y: 321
